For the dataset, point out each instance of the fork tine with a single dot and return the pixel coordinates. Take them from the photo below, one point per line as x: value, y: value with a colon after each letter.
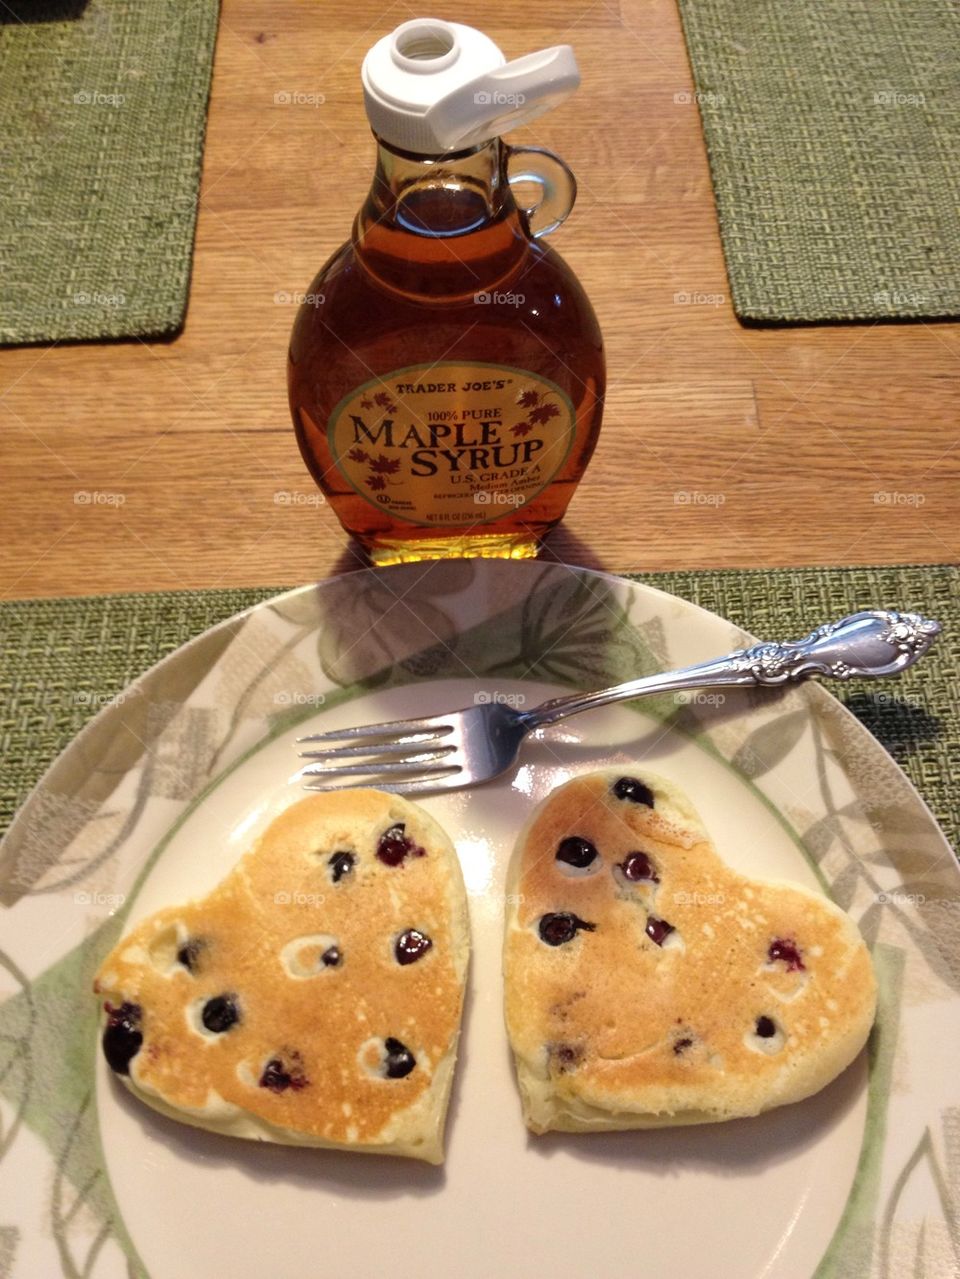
x: 385, y: 748
x: 394, y: 730
x: 415, y: 766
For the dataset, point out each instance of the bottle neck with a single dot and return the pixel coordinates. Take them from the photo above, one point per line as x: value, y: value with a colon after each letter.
x: 440, y: 195
x: 437, y: 227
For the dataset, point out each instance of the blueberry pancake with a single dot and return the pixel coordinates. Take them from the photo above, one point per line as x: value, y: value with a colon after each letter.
x: 649, y: 984
x: 314, y: 997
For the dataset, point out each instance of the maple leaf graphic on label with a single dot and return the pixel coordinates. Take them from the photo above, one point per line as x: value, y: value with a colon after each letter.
x: 543, y: 413
x: 523, y: 428
x: 358, y: 455
x: 526, y: 399
x: 376, y: 483
x: 366, y: 404
x: 385, y: 465
x: 383, y: 399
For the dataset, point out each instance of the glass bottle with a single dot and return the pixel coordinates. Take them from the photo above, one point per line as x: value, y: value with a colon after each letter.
x: 446, y: 370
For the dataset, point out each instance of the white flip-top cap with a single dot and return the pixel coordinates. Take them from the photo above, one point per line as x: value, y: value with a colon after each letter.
x: 434, y: 86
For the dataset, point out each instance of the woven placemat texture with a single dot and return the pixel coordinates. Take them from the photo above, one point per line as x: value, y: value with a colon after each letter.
x: 832, y: 134
x: 62, y: 659
x: 102, y: 113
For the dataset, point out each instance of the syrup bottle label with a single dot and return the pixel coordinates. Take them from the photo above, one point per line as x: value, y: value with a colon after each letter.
x: 452, y: 442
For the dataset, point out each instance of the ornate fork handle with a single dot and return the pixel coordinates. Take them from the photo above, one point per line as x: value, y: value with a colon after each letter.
x: 869, y: 644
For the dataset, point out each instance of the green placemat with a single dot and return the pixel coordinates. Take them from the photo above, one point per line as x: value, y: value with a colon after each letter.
x: 102, y: 113
x: 832, y: 130
x: 52, y: 652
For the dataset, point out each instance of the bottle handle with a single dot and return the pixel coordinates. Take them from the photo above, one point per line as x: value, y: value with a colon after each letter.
x: 558, y: 187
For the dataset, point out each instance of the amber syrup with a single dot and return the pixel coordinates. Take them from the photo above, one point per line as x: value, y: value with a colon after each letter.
x: 443, y: 286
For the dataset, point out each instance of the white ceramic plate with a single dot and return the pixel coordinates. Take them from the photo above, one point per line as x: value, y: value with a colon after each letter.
x: 160, y: 795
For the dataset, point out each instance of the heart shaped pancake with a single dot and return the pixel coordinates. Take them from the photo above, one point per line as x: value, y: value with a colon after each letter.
x: 314, y: 996
x: 649, y: 984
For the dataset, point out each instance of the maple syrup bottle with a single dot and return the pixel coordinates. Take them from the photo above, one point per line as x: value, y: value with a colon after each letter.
x: 446, y: 371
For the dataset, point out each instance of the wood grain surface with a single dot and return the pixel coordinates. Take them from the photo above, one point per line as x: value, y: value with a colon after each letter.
x: 150, y: 465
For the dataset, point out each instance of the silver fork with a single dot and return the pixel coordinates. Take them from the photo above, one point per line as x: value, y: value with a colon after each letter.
x: 465, y: 747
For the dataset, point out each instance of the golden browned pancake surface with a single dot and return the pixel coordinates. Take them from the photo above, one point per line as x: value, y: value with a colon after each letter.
x: 335, y: 1041
x: 675, y: 990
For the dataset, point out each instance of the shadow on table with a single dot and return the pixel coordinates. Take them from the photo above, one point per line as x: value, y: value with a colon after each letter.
x: 564, y: 547
x: 899, y: 724
x: 28, y: 12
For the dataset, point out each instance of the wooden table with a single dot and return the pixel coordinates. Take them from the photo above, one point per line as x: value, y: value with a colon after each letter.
x: 833, y: 445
